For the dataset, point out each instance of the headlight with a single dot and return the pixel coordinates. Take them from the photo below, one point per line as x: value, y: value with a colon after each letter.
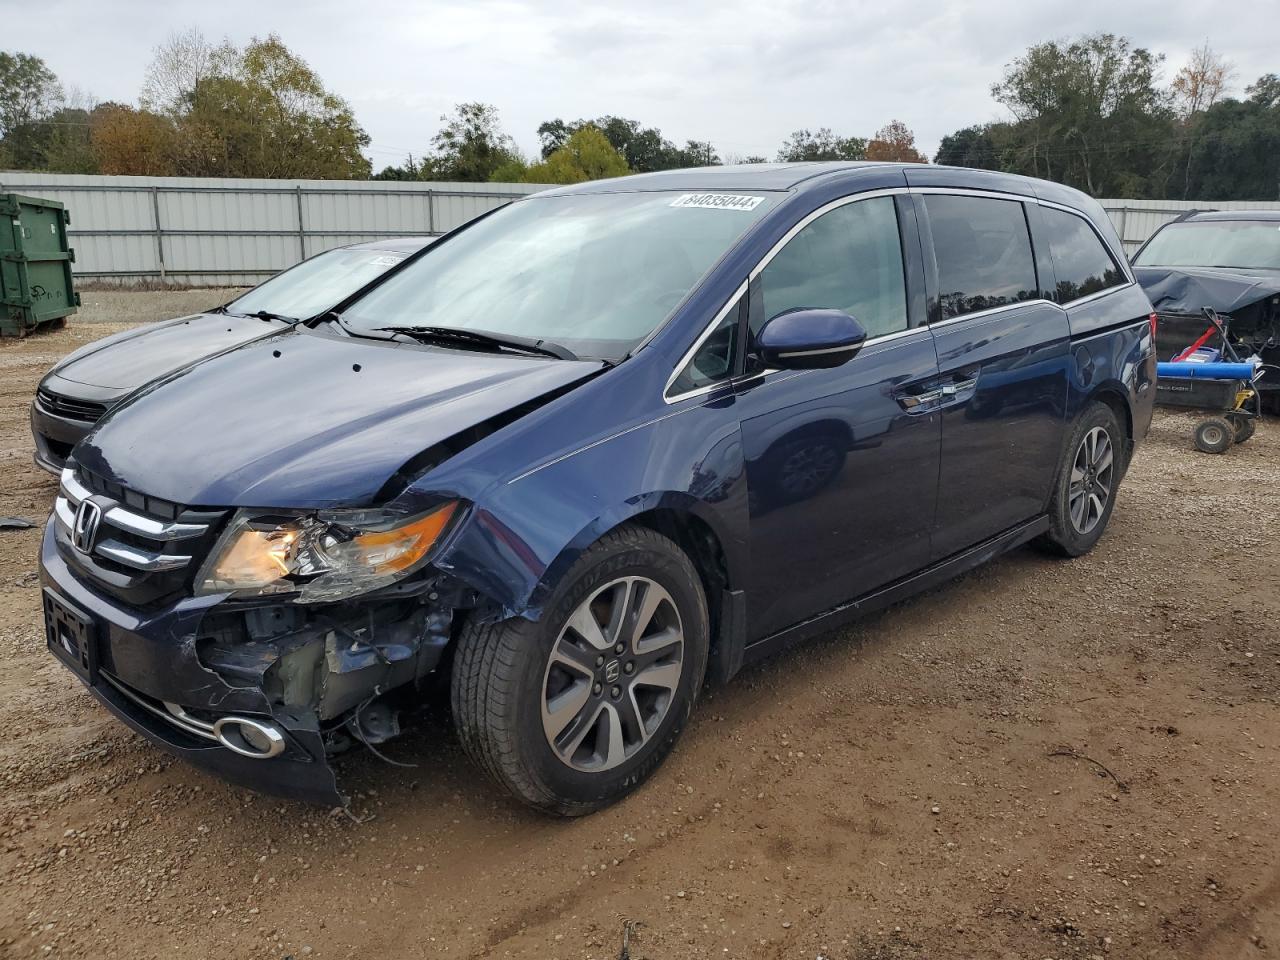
x: 327, y: 555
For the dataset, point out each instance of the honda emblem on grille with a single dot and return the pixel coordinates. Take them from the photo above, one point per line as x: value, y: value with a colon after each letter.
x: 84, y: 531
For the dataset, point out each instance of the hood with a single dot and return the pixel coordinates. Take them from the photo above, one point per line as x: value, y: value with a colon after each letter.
x: 127, y: 361
x: 1190, y: 289
x: 307, y: 419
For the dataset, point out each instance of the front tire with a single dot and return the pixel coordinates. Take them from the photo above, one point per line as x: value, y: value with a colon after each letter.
x: 574, y: 711
x: 1088, y: 477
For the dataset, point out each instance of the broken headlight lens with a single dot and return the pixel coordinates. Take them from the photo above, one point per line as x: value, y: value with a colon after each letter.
x: 328, y: 555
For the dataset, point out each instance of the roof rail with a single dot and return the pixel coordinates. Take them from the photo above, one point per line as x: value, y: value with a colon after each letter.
x: 1191, y: 213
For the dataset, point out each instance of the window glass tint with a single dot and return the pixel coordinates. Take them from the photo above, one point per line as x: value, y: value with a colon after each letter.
x: 983, y: 252
x: 849, y: 259
x: 713, y: 361
x: 1244, y: 244
x: 1080, y: 260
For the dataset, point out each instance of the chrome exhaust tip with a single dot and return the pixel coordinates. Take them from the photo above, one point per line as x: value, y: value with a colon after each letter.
x: 248, y: 737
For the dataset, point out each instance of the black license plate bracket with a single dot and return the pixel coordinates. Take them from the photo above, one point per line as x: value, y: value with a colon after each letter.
x: 72, y: 636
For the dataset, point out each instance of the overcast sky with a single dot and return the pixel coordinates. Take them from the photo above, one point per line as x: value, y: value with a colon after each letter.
x: 742, y: 75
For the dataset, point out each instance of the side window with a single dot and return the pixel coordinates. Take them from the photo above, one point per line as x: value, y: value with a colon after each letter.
x: 849, y: 259
x: 1080, y: 258
x: 983, y: 250
x: 713, y: 360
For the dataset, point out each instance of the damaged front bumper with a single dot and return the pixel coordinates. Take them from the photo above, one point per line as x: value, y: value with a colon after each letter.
x: 261, y: 695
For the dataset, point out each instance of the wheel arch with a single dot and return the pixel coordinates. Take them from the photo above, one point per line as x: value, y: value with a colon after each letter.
x: 1115, y: 396
x: 696, y: 530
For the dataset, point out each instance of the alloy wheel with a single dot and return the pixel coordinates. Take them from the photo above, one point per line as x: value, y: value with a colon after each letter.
x: 612, y: 674
x: 1092, y: 474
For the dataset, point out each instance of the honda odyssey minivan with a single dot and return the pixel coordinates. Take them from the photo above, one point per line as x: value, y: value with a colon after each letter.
x: 591, y: 452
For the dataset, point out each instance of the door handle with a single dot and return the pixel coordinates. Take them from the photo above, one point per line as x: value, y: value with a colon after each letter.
x: 919, y: 402
x: 950, y: 390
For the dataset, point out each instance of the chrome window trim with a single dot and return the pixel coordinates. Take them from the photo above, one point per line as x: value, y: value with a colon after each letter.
x: 814, y: 215
x: 889, y: 192
x: 991, y: 311
x: 1024, y: 303
x: 1123, y: 264
x: 697, y: 344
x: 977, y: 192
x: 1099, y: 295
x: 755, y: 272
x: 988, y: 195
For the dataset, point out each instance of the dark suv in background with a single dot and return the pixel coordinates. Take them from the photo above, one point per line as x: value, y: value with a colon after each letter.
x: 75, y: 394
x: 590, y: 452
x: 1227, y: 261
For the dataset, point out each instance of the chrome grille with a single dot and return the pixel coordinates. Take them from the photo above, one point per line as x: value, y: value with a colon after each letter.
x: 140, y: 548
x: 70, y: 407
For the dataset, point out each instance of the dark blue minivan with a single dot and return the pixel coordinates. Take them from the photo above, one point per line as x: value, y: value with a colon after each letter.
x: 590, y: 452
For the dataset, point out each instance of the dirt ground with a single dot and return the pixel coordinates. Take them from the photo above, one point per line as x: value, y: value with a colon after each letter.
x: 1045, y: 759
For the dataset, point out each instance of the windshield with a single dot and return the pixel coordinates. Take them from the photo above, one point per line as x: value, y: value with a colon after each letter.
x: 1243, y: 244
x: 316, y: 285
x: 592, y: 272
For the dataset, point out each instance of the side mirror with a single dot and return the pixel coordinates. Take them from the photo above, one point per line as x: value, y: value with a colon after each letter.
x: 809, y: 340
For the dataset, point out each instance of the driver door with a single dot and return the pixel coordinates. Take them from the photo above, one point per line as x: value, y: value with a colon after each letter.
x: 842, y: 464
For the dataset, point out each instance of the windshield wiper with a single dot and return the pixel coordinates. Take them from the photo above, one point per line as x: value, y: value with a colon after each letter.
x: 484, y: 339
x: 268, y: 315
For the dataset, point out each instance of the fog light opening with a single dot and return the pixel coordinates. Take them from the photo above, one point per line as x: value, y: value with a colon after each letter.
x: 249, y: 738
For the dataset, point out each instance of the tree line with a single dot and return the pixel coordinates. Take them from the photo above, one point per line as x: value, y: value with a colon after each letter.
x: 1091, y: 113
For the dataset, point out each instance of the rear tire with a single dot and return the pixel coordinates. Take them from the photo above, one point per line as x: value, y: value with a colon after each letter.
x: 1214, y: 435
x: 553, y: 711
x: 1084, y: 493
x: 1242, y: 425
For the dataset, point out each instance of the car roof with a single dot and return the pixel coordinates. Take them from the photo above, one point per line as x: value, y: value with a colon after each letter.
x: 1207, y: 215
x: 815, y: 175
x: 395, y: 244
x: 734, y: 176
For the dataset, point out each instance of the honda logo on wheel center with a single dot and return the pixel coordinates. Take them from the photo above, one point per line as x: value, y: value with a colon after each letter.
x: 611, y: 671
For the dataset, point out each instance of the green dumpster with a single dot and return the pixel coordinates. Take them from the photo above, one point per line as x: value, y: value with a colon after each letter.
x: 35, y: 265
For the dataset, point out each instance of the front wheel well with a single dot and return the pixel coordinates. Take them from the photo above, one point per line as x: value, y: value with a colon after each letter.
x: 698, y: 540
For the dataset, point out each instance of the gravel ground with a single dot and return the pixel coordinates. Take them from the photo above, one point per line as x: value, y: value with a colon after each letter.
x: 1044, y: 759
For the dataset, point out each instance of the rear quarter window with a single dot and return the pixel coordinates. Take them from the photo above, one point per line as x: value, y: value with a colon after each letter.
x: 983, y: 251
x: 1080, y: 258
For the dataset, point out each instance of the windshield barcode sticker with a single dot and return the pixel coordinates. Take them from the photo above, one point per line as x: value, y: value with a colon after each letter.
x: 717, y: 201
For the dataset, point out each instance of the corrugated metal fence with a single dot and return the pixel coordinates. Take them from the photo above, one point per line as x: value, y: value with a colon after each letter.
x: 213, y: 232
x: 1136, y: 220
x: 208, y: 231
